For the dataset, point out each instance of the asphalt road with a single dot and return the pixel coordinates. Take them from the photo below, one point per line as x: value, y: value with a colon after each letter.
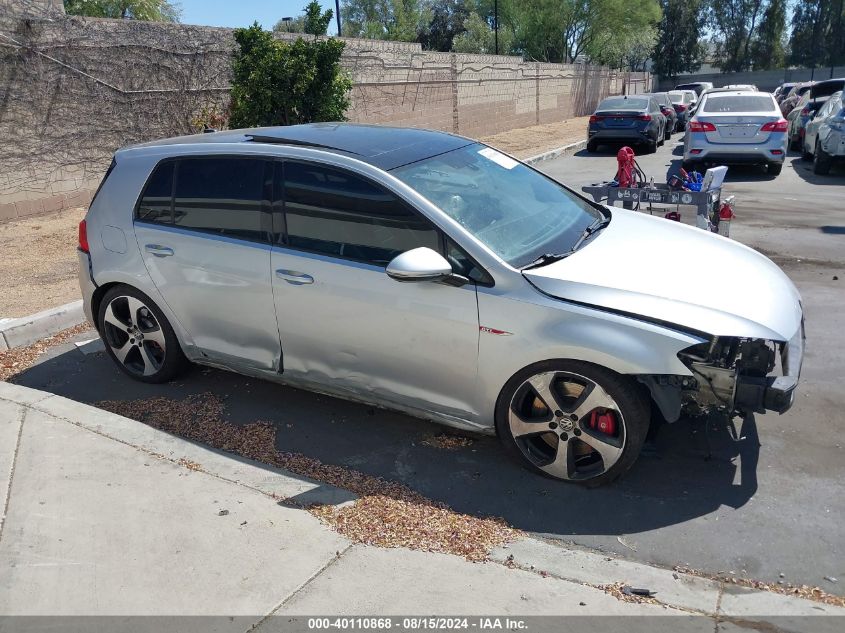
x: 771, y: 504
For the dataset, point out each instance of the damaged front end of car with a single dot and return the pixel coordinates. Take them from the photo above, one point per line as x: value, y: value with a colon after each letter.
x: 733, y: 376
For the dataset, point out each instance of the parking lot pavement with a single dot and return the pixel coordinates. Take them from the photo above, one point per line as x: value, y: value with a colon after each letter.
x: 769, y: 505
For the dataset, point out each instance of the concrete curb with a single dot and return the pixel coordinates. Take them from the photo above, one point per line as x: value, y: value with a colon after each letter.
x: 690, y: 594
x: 227, y: 466
x: 26, y: 330
x: 556, y: 153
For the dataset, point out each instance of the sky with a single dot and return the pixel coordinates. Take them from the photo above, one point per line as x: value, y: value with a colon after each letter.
x: 234, y: 13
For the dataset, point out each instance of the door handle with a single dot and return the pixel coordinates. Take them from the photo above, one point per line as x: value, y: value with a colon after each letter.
x: 159, y: 251
x: 294, y: 277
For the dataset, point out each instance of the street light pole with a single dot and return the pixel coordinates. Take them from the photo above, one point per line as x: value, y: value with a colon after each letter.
x: 496, y: 24
x: 337, y: 9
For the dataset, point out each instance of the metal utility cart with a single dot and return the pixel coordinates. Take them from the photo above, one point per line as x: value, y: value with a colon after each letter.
x: 706, y: 202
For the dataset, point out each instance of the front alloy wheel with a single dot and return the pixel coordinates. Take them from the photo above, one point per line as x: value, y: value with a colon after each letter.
x: 138, y: 337
x: 574, y: 421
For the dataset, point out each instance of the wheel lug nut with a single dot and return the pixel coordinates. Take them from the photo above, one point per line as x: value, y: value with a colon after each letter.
x: 552, y: 425
x: 558, y: 414
x: 132, y: 340
x: 573, y: 417
x: 564, y: 437
x: 577, y: 432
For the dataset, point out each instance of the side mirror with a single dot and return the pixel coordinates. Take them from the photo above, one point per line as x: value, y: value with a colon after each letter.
x: 419, y: 264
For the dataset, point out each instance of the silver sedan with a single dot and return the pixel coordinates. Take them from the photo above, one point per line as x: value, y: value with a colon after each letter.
x: 431, y: 274
x: 741, y: 126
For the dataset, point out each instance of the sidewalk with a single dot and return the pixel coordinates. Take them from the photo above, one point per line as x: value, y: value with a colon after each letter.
x: 107, y: 516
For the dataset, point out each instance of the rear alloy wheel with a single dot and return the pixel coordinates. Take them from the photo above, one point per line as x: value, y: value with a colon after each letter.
x: 573, y: 421
x: 822, y: 161
x: 592, y: 147
x: 138, y: 337
x: 774, y: 169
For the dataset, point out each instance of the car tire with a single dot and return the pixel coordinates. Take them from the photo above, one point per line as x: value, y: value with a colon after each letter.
x: 592, y: 147
x: 822, y: 161
x: 138, y: 337
x: 805, y: 154
x: 599, y: 446
x: 668, y: 132
x: 774, y: 169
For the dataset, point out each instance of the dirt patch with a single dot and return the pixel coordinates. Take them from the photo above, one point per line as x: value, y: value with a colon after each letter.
x: 39, y: 265
x: 530, y: 141
x: 387, y: 514
x: 447, y: 441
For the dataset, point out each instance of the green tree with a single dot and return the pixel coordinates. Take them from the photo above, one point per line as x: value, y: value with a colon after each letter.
x: 399, y: 20
x: 563, y: 30
x: 317, y: 20
x: 768, y: 50
x: 817, y: 37
x: 479, y: 37
x: 285, y: 83
x: 150, y: 10
x: 443, y: 21
x: 679, y: 49
x: 736, y: 23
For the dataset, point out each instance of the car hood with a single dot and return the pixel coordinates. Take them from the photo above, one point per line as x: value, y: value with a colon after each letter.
x: 677, y: 274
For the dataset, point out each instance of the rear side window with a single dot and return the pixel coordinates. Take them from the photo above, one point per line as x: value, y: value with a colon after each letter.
x: 336, y: 213
x: 739, y: 103
x: 224, y: 196
x: 155, y: 205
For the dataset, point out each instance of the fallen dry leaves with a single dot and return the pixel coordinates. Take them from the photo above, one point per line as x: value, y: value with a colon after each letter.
x: 14, y: 361
x: 387, y: 514
x: 801, y: 591
x: 447, y: 441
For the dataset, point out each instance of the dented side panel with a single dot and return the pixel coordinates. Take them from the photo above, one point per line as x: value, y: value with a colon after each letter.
x: 355, y: 330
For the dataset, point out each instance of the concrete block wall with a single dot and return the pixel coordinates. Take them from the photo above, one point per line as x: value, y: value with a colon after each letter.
x: 73, y: 90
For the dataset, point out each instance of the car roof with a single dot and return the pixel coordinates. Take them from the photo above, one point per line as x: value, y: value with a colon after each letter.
x: 381, y: 146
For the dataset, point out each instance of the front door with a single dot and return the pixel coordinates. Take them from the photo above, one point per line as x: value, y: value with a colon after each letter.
x: 343, y: 322
x: 207, y: 249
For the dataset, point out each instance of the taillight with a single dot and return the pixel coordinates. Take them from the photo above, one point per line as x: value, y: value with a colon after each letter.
x: 595, y: 118
x: 644, y: 117
x: 83, y: 237
x: 701, y: 126
x: 775, y: 126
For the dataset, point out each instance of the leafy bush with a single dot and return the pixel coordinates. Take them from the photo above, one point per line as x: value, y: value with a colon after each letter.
x: 285, y: 83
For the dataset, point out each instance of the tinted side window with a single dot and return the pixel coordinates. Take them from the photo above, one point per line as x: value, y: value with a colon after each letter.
x: 155, y: 201
x: 224, y: 196
x: 336, y: 213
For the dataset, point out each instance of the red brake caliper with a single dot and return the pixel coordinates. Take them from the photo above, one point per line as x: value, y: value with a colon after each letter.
x: 603, y: 421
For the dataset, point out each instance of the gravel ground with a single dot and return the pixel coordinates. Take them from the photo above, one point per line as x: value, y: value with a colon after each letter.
x: 387, y: 514
x: 530, y: 141
x: 38, y: 266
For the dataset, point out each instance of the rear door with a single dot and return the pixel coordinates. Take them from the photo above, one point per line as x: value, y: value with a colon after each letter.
x: 203, y: 226
x: 347, y: 325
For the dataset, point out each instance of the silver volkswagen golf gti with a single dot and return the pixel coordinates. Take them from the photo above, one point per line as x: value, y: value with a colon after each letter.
x: 431, y: 274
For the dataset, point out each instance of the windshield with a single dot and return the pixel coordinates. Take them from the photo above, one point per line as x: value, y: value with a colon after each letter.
x: 677, y: 97
x: 739, y: 103
x: 517, y: 212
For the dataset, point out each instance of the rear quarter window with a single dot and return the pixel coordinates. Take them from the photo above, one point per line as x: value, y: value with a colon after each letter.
x: 155, y: 204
